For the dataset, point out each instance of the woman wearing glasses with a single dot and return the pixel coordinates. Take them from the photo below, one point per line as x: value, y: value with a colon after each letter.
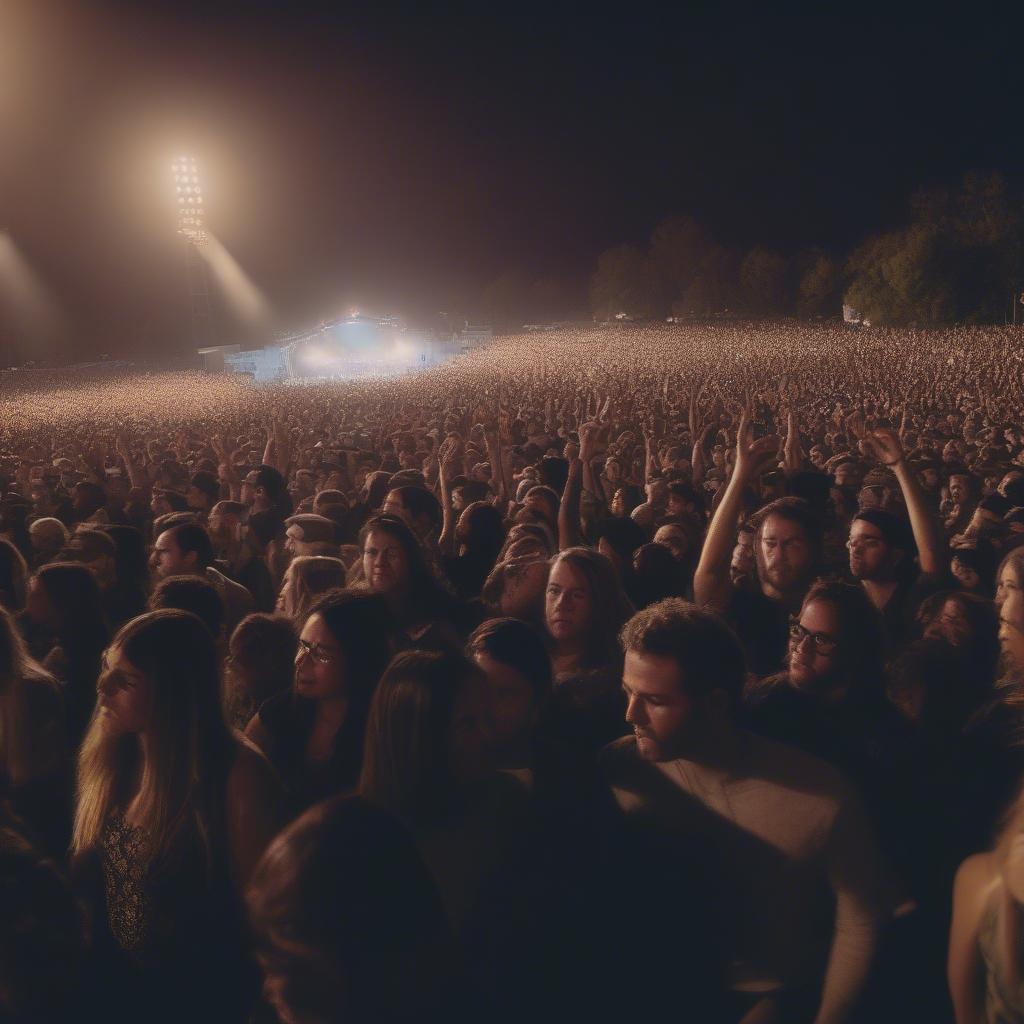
x: 313, y: 732
x: 173, y: 811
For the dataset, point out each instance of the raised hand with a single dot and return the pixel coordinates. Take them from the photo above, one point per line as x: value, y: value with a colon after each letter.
x: 753, y: 457
x: 883, y: 444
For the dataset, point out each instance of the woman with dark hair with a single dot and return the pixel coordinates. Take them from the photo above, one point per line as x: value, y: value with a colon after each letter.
x: 427, y: 760
x: 35, y: 780
x: 126, y: 598
x: 349, y: 923
x: 13, y: 577
x: 313, y: 733
x: 64, y: 601
x: 395, y: 566
x: 260, y: 664
x: 479, y: 535
x: 584, y: 609
x: 173, y: 812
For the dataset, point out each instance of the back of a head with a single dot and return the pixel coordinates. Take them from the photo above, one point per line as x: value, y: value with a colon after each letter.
x: 318, y: 573
x: 349, y: 918
x: 406, y: 762
x: 422, y: 504
x: 518, y: 645
x: 705, y: 649
x: 132, y: 563
x: 74, y: 594
x: 264, y: 647
x: 191, y: 594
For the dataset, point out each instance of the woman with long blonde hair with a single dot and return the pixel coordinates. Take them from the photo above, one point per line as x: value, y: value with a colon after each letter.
x: 173, y: 811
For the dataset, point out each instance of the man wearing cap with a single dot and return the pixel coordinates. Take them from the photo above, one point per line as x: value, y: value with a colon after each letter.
x: 882, y: 545
x: 240, y: 553
x: 310, y: 534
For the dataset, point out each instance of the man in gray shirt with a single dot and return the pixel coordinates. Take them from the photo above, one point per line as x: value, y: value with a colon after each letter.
x: 800, y: 897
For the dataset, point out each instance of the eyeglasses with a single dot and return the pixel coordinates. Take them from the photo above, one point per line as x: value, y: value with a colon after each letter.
x: 316, y: 652
x: 823, y: 643
x: 867, y: 543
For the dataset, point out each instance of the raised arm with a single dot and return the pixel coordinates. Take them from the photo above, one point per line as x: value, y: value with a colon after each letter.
x: 448, y: 459
x: 884, y: 445
x: 569, y: 532
x: 711, y: 584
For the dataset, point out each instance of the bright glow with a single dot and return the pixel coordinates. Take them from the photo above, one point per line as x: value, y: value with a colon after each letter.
x: 243, y: 297
x: 34, y: 308
x: 316, y: 357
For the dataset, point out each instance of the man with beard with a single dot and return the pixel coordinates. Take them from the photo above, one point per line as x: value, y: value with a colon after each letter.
x: 797, y: 888
x: 882, y: 546
x: 239, y: 552
x: 786, y: 545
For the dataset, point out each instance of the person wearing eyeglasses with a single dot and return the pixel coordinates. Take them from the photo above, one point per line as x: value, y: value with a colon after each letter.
x: 830, y: 699
x: 313, y: 732
x: 777, y: 841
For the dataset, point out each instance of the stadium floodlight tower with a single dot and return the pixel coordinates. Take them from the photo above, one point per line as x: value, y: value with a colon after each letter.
x: 188, y: 196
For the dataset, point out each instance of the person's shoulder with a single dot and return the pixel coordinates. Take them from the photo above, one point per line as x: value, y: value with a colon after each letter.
x: 757, y: 691
x: 251, y: 769
x: 788, y: 767
x: 278, y: 710
x: 41, y: 689
x: 618, y: 755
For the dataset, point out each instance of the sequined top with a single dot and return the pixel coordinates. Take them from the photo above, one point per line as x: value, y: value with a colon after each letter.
x: 129, y: 904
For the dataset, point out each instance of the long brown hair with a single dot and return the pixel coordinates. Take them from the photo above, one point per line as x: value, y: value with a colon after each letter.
x: 406, y: 763
x: 611, y: 607
x: 189, y: 748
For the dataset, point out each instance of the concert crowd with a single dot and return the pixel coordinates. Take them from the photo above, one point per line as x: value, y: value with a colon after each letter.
x: 604, y: 672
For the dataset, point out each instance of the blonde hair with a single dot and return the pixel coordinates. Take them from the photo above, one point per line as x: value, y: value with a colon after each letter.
x: 189, y: 746
x: 311, y: 577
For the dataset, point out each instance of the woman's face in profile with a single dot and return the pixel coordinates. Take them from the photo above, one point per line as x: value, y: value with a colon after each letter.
x: 125, y: 703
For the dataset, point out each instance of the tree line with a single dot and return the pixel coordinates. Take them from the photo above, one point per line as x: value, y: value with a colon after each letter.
x: 958, y: 260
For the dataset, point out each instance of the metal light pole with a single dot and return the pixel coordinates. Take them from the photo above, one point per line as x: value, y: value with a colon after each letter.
x: 191, y: 227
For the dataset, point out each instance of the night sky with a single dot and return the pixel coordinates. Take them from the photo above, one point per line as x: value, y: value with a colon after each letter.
x: 399, y: 159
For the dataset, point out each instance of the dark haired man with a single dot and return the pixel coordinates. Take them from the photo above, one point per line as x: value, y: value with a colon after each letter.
x: 799, y: 893
x: 882, y: 546
x: 186, y: 550
x: 787, y: 544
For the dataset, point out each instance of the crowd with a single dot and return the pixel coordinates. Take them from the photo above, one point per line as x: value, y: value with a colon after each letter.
x: 598, y: 673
